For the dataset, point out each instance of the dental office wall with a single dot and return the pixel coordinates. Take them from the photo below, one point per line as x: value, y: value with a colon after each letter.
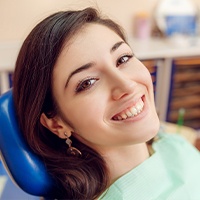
x: 18, y: 17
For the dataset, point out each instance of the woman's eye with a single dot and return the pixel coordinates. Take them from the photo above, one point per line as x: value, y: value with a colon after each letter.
x: 85, y: 84
x: 123, y: 59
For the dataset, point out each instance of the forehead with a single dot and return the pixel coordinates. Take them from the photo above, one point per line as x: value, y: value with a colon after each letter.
x: 91, y: 40
x: 91, y: 35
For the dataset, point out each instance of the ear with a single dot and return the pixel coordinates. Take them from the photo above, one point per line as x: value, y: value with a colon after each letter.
x: 56, y: 126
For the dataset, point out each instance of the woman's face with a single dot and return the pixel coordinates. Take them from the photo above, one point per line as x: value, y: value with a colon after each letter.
x: 103, y: 91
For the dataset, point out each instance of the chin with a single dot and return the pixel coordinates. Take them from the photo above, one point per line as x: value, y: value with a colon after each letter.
x: 149, y: 127
x: 153, y: 128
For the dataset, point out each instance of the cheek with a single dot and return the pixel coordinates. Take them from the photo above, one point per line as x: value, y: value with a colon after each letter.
x: 148, y: 79
x: 86, y: 112
x: 145, y: 76
x: 140, y: 74
x: 88, y: 121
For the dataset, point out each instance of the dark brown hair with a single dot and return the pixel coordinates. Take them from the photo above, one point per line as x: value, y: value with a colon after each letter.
x: 78, y: 178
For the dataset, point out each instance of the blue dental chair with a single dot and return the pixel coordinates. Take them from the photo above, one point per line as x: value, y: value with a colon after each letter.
x: 23, y: 166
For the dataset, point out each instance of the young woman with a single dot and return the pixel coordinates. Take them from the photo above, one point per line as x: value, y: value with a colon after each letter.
x: 85, y: 105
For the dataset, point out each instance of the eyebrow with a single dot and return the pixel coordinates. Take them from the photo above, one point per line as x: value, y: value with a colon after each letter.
x: 89, y: 65
x: 116, y: 46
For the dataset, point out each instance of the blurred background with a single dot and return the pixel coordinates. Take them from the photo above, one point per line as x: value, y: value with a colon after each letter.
x: 18, y: 17
x: 164, y: 35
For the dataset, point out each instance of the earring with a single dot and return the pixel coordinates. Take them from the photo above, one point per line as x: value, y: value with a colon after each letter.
x: 72, y: 151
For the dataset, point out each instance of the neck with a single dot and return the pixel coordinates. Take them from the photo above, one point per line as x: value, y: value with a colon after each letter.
x: 123, y: 159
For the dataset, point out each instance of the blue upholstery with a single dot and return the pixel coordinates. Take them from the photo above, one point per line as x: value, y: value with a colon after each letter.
x: 24, y: 167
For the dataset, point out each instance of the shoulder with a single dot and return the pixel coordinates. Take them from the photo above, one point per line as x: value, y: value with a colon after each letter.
x: 181, y: 161
x: 175, y: 148
x: 174, y: 140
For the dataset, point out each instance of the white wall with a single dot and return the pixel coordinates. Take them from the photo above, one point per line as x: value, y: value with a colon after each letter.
x: 18, y: 17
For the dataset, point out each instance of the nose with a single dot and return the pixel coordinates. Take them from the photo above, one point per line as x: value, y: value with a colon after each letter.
x: 122, y: 85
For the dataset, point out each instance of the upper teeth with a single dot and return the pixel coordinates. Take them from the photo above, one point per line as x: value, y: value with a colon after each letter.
x: 130, y: 112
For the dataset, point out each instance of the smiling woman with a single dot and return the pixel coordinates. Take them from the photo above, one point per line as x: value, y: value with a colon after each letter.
x: 85, y: 105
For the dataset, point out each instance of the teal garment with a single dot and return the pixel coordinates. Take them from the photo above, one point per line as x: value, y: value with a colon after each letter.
x: 171, y: 173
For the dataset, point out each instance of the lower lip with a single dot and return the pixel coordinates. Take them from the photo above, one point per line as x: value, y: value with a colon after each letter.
x: 137, y: 117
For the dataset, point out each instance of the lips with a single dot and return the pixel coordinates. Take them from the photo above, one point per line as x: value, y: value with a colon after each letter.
x: 130, y: 112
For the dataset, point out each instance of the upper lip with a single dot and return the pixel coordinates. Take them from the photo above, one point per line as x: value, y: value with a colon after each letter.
x: 127, y: 104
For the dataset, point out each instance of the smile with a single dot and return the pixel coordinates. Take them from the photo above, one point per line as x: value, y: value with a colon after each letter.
x: 130, y: 112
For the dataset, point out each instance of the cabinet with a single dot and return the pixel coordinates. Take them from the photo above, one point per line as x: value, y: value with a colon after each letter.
x: 185, y: 91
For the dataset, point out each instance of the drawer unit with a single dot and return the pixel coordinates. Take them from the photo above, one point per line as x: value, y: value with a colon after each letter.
x: 185, y: 91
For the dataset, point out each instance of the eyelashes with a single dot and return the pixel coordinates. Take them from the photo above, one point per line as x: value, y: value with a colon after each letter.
x: 86, y: 84
x: 89, y: 82
x: 123, y: 59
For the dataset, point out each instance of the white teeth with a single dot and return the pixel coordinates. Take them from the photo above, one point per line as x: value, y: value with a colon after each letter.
x: 134, y: 111
x: 138, y: 107
x: 124, y: 116
x: 128, y: 113
x: 131, y: 112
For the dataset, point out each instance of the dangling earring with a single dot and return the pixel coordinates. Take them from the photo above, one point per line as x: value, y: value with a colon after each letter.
x: 72, y: 151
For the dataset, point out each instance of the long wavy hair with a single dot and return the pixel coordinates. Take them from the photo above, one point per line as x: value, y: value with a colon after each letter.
x: 78, y: 178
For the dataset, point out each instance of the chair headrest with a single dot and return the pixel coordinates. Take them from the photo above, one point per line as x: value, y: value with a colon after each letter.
x: 24, y: 167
